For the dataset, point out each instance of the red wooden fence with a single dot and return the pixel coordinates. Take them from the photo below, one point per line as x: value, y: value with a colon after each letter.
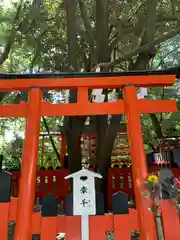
x: 120, y: 225
x: 48, y: 181
x: 52, y: 181
x: 48, y: 227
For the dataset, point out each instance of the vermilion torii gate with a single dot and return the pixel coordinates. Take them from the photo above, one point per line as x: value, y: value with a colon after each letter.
x: 130, y: 105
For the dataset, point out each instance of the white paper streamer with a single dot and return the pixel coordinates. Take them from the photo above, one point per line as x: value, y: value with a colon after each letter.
x: 67, y: 96
x: 113, y: 96
x: 99, y: 98
x: 97, y: 91
x: 142, y: 93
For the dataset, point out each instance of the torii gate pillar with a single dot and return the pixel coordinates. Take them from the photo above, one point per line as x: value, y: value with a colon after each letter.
x: 139, y: 167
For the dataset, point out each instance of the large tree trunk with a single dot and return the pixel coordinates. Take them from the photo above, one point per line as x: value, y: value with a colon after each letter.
x: 157, y: 125
x: 144, y: 58
x: 104, y: 147
x: 106, y: 133
x: 73, y: 125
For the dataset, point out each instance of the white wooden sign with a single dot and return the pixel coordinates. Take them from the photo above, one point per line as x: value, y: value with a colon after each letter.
x: 84, y: 197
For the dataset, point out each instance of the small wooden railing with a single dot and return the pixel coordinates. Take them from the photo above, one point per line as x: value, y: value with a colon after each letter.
x: 52, y: 181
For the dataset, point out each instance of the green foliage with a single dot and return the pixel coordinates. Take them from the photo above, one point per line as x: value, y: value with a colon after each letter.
x: 49, y: 157
x: 12, y: 142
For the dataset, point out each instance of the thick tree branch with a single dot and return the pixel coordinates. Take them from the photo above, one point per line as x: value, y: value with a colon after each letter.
x: 142, y: 61
x: 12, y: 35
x: 37, y: 52
x: 141, y: 49
x: 70, y: 7
x: 173, y: 7
x: 86, y: 23
x: 156, y: 125
x: 148, y: 53
x: 102, y: 30
x: 136, y: 10
x: 10, y: 40
x: 124, y: 29
x: 150, y: 28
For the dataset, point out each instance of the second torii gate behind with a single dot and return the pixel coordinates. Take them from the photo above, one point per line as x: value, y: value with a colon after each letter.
x: 130, y: 106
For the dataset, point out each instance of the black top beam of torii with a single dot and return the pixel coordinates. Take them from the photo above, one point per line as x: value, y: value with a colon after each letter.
x: 168, y: 71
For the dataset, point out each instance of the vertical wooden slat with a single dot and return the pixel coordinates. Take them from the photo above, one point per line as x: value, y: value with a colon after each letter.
x: 117, y: 181
x: 124, y: 224
x: 99, y: 225
x: 61, y: 224
x: 50, y: 184
x: 5, y: 198
x: 82, y: 95
x: 125, y: 181
x: 170, y: 219
x: 48, y: 228
x: 4, y: 211
x: 96, y: 225
x: 58, y: 185
x: 36, y: 223
x: 73, y: 228
x: 110, y: 188
x: 121, y: 227
x: 13, y: 209
x: 62, y: 149
x: 42, y: 185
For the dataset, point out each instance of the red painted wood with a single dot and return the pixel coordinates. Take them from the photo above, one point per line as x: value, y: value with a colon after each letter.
x: 121, y: 225
x: 170, y: 218
x: 4, y: 210
x: 48, y: 228
x: 124, y: 224
x: 89, y: 82
x: 73, y: 228
x: 100, y: 225
x: 60, y: 186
